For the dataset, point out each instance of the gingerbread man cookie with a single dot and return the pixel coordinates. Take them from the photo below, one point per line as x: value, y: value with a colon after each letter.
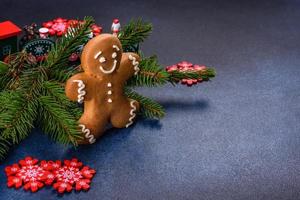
x: 100, y: 86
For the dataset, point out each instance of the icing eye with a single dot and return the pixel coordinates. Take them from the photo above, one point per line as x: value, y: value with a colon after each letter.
x: 114, y: 55
x: 102, y: 59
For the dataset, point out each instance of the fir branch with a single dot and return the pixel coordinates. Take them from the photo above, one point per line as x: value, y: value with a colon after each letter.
x: 18, y: 117
x: 16, y: 64
x: 152, y: 74
x: 57, y: 122
x: 68, y: 44
x: 134, y: 33
x: 148, y: 107
x: 175, y: 76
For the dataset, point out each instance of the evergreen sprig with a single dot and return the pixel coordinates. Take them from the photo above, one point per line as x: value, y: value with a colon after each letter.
x: 134, y: 33
x: 152, y: 74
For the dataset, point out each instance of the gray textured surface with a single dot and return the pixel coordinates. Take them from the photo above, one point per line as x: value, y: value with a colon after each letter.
x: 237, y: 137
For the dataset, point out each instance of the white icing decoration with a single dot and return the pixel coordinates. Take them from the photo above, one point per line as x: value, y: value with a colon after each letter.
x: 98, y: 54
x: 114, y: 55
x: 111, y: 70
x: 116, y: 47
x: 109, y: 100
x: 131, y: 113
x: 109, y: 84
x: 109, y: 92
x: 80, y: 90
x: 102, y: 59
x: 135, y: 64
x: 87, y: 134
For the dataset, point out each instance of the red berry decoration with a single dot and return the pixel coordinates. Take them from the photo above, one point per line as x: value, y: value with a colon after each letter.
x: 33, y: 175
x: 186, y: 66
x: 73, y: 57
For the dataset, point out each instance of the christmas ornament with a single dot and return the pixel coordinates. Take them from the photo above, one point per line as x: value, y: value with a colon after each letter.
x: 39, y: 48
x: 30, y: 174
x: 43, y: 33
x: 59, y: 26
x: 115, y: 27
x: 186, y: 67
x: 8, y: 38
x: 100, y: 86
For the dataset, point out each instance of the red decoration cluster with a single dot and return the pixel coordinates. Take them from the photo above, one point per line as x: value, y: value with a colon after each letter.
x: 185, y: 66
x: 64, y: 177
x: 59, y: 26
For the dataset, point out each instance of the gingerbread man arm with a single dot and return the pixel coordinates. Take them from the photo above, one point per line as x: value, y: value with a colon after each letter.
x: 76, y: 88
x: 129, y: 65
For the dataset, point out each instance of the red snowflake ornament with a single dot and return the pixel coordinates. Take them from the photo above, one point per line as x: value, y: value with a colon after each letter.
x: 71, y: 174
x: 186, y: 66
x: 28, y: 173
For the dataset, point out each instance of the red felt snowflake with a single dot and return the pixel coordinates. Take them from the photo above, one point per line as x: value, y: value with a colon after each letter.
x: 60, y: 26
x: 33, y: 175
x: 185, y: 66
x: 70, y: 175
x: 28, y: 173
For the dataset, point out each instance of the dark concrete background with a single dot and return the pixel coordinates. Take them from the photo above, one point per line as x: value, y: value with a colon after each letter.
x: 237, y: 137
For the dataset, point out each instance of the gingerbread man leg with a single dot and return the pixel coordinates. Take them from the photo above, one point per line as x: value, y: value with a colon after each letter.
x: 127, y: 116
x: 92, y: 129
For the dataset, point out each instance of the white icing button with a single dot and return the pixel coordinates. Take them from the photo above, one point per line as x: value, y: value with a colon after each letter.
x: 109, y: 92
x: 108, y: 84
x: 109, y: 100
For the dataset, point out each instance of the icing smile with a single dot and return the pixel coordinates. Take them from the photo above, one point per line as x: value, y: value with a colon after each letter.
x: 102, y: 59
x: 111, y: 69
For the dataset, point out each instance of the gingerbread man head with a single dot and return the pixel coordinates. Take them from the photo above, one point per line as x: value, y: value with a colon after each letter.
x: 102, y: 55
